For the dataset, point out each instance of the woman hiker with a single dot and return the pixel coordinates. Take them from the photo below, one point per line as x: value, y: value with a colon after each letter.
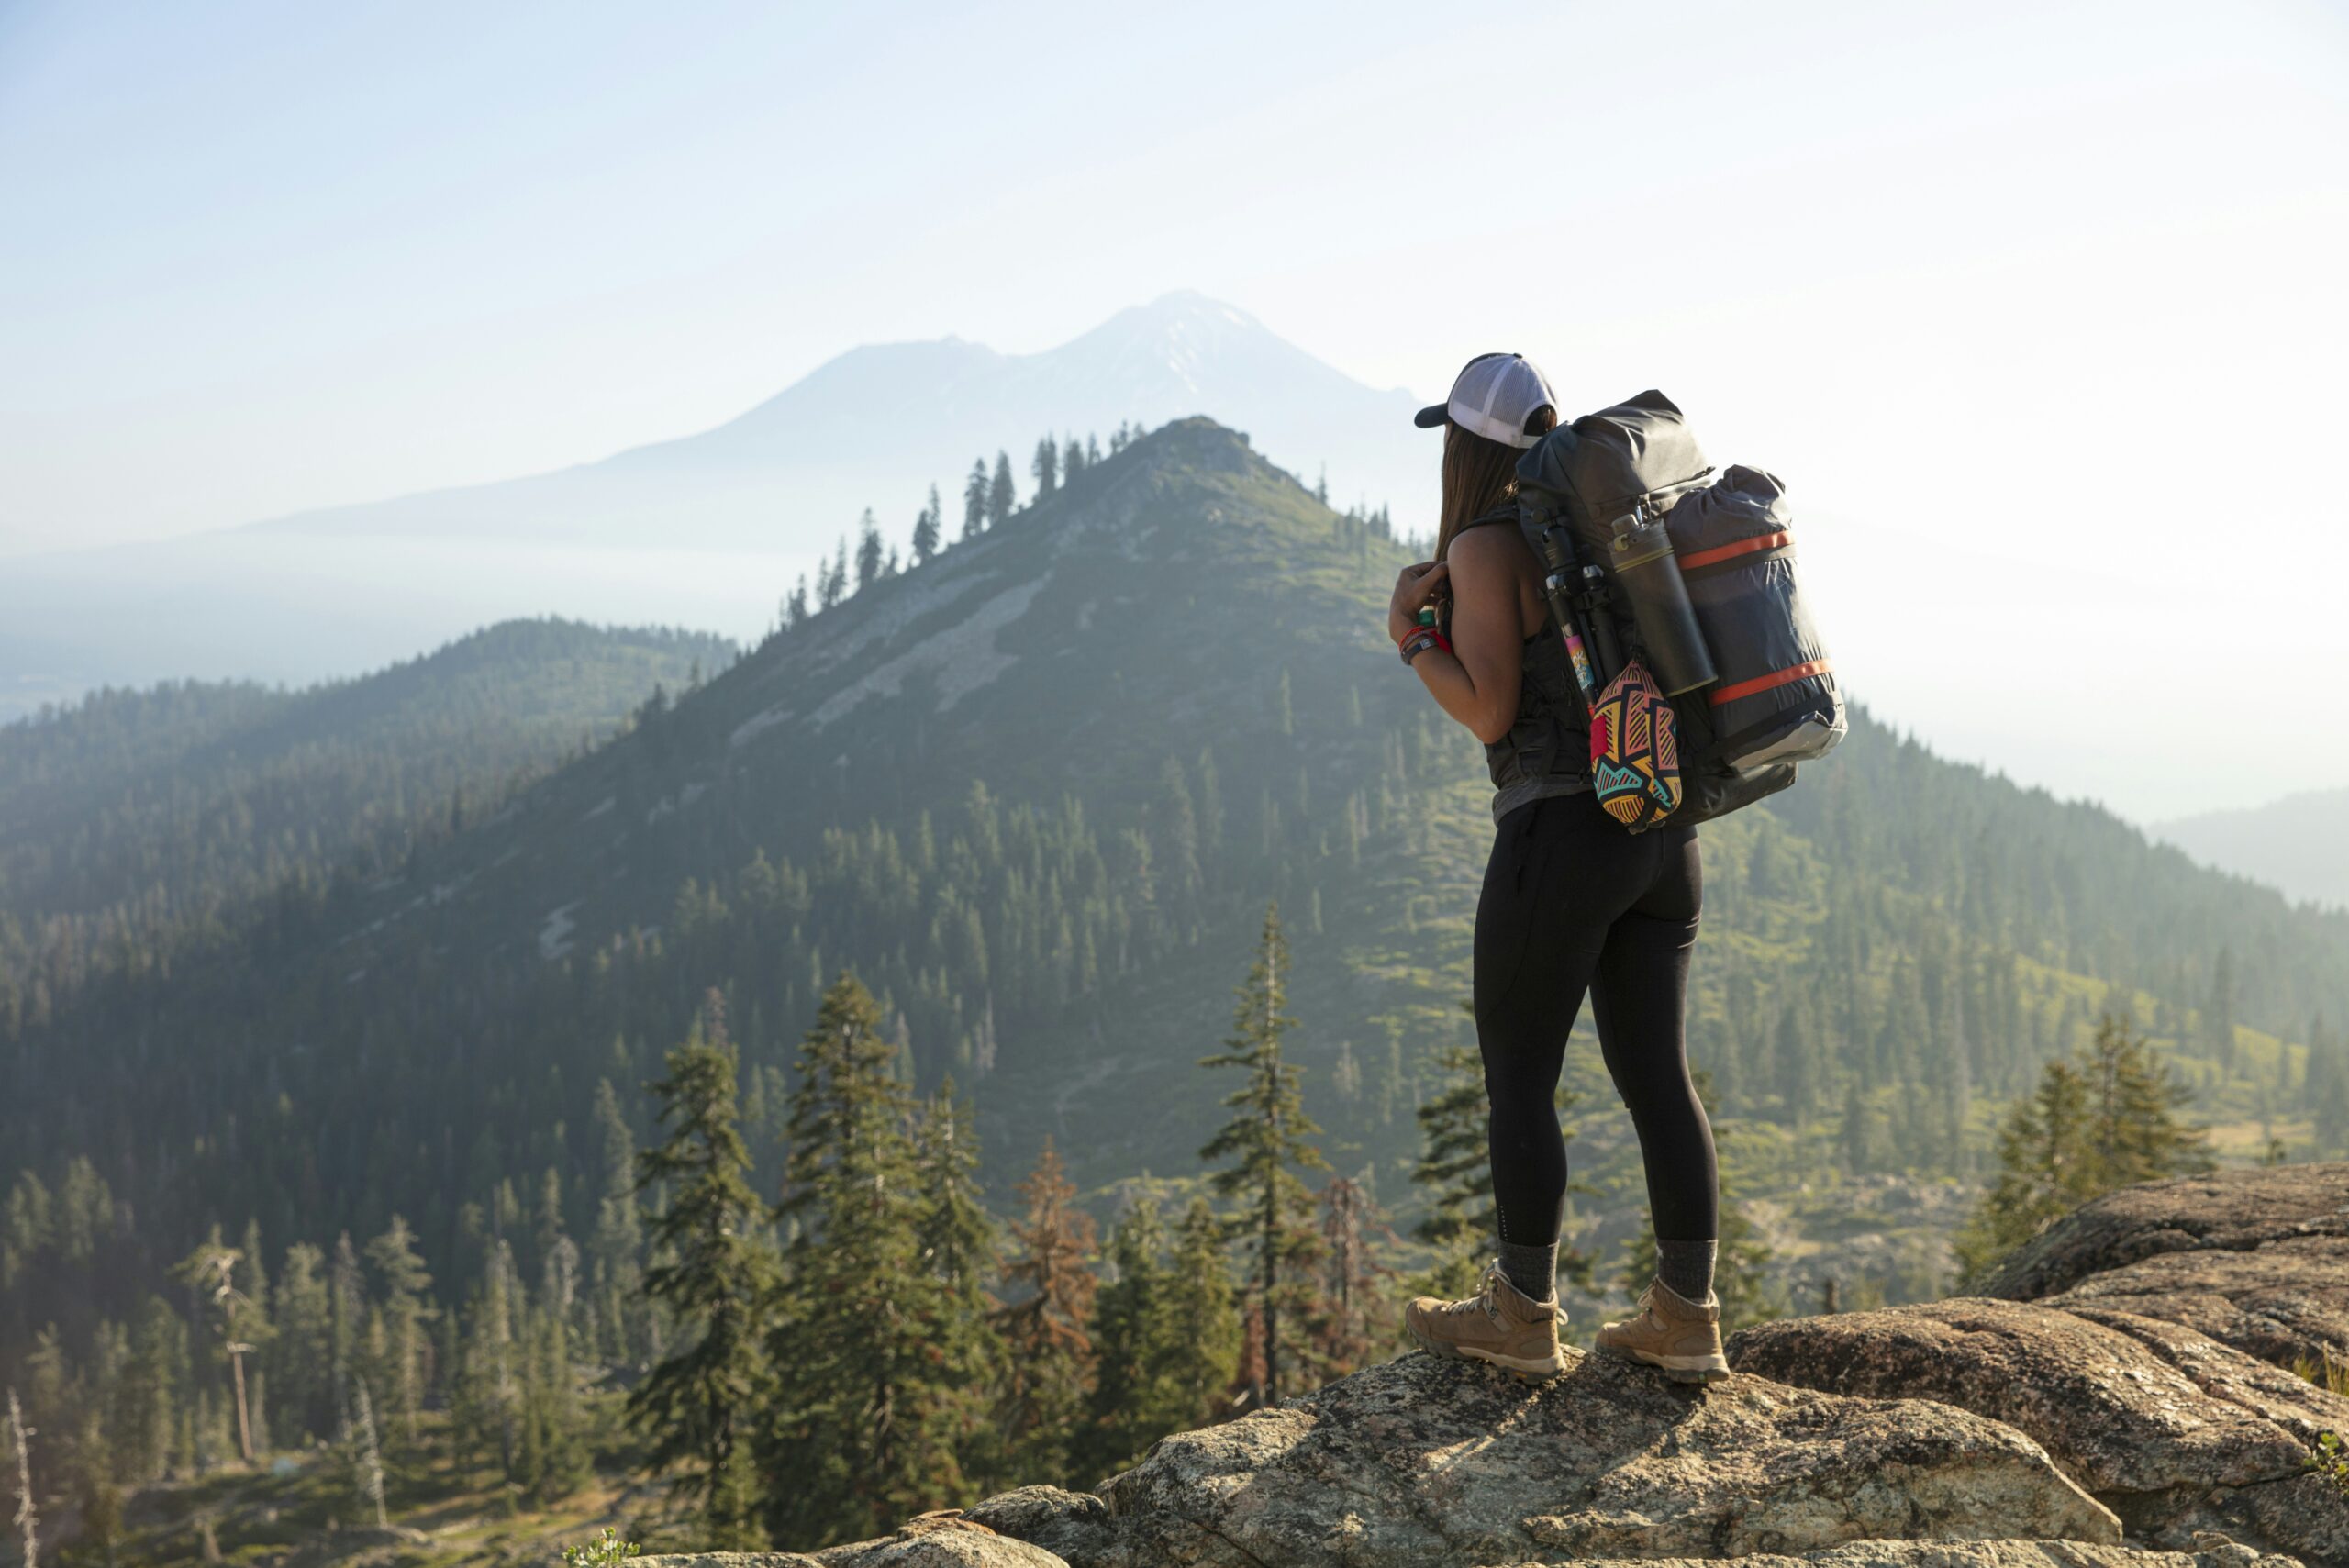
x: 1571, y: 904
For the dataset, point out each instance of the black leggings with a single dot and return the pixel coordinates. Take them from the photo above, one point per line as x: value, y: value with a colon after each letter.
x: 1573, y: 902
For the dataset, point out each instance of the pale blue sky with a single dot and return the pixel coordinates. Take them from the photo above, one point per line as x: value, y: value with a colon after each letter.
x: 263, y: 256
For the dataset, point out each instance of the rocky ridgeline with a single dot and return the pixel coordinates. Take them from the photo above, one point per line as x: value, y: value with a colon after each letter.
x: 2121, y: 1399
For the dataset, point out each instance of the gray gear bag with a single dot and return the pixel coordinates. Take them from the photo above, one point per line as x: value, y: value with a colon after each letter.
x: 1773, y: 701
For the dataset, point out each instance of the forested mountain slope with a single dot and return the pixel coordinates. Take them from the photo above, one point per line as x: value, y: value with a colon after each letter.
x: 1036, y: 792
x: 133, y: 821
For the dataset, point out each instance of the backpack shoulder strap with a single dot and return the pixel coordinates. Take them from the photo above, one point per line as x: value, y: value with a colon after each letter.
x: 1505, y: 513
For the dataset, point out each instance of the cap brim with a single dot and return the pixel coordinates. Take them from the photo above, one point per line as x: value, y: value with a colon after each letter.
x: 1428, y: 418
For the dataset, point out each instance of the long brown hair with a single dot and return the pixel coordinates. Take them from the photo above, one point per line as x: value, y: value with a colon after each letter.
x: 1479, y: 474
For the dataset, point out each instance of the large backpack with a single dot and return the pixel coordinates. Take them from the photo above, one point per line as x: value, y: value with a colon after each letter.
x: 1776, y: 702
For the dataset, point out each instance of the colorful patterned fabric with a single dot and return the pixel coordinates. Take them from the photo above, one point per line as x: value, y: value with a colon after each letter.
x: 1634, y: 750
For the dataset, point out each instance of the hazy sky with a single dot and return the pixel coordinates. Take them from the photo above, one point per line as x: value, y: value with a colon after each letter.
x: 2037, y: 306
x: 259, y: 257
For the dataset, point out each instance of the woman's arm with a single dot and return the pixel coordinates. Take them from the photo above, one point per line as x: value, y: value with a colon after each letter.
x: 1476, y: 683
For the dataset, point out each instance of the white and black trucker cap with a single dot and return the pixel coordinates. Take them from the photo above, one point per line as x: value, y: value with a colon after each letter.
x: 1495, y: 396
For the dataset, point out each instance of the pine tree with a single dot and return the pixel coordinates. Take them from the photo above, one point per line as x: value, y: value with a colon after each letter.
x: 1045, y: 466
x: 928, y: 528
x: 1269, y: 1136
x: 407, y: 1297
x: 1001, y: 497
x: 832, y: 579
x: 1136, y: 1398
x: 2134, y: 1133
x: 975, y: 499
x: 1455, y: 1165
x: 1048, y: 1352
x: 955, y: 1241
x: 488, y: 1404
x: 2219, y: 1011
x: 2104, y: 1118
x: 868, y: 551
x: 1857, y: 1135
x: 367, y: 1463
x: 146, y: 1426
x: 557, y: 1463
x: 300, y: 1358
x: 615, y: 1253
x: 1205, y: 1357
x: 865, y: 1422
x: 714, y: 1276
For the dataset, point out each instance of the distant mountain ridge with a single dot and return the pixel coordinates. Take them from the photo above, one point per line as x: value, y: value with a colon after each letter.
x: 2299, y: 843
x: 708, y: 530
x: 876, y: 425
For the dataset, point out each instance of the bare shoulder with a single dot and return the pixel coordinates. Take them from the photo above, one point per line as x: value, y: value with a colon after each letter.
x: 1491, y: 566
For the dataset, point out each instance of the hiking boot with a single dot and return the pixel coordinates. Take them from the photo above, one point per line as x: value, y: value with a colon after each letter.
x: 1501, y: 1324
x: 1683, y: 1337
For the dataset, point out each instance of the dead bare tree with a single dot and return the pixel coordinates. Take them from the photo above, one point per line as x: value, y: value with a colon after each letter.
x: 212, y: 1269
x: 27, y: 1514
x: 371, y: 1463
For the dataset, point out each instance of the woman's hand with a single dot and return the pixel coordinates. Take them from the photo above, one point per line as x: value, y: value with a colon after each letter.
x: 1416, y: 587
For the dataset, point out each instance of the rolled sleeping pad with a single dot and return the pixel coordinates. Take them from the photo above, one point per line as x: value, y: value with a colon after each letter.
x: 1775, y: 698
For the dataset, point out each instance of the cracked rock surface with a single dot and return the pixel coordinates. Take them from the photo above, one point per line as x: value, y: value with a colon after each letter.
x: 947, y: 1539
x: 1426, y: 1462
x: 1981, y: 1554
x: 2256, y: 1259
x: 2172, y: 1431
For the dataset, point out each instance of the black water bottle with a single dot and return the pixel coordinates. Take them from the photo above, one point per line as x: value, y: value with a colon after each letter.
x: 1643, y: 563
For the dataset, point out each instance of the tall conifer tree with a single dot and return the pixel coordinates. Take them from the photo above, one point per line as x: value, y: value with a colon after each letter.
x: 975, y: 500
x: 407, y: 1297
x: 716, y: 1276
x: 866, y: 1421
x: 1001, y: 496
x: 1137, y: 1322
x: 928, y: 528
x: 1269, y: 1138
x: 1205, y: 1357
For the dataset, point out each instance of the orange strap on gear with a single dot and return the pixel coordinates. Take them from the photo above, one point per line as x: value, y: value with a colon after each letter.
x: 1731, y: 551
x: 1771, y: 681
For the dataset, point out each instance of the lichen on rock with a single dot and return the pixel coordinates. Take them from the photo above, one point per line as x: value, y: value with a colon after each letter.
x: 2171, y: 1430
x: 1426, y: 1462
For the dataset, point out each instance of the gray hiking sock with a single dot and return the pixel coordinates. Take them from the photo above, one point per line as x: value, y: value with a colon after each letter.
x: 1685, y: 1268
x: 1533, y: 1269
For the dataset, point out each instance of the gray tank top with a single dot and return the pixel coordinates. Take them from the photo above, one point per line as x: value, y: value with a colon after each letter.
x: 1547, y: 751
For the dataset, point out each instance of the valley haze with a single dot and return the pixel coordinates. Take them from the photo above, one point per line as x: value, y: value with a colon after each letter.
x: 710, y: 530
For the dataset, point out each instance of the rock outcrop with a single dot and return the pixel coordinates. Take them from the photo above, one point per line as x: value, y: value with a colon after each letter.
x: 2120, y: 1372
x: 948, y: 1538
x: 2172, y: 1431
x: 935, y: 1550
x: 2256, y: 1259
x: 1975, y: 1554
x: 1422, y: 1462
